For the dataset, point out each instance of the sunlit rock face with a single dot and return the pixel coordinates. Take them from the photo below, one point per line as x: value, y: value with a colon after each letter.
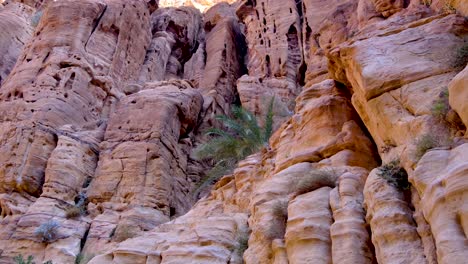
x: 201, y: 5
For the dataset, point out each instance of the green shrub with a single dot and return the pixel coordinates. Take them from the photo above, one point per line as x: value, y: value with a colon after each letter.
x: 461, y: 57
x: 441, y: 106
x: 19, y: 260
x: 425, y: 143
x: 242, y: 243
x: 395, y: 175
x: 313, y: 180
x: 47, y: 231
x: 241, y: 137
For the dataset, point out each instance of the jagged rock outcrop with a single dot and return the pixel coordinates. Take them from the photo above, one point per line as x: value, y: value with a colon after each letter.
x: 100, y: 114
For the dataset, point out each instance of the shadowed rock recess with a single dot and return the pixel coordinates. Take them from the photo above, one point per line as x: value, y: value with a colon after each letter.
x: 102, y: 103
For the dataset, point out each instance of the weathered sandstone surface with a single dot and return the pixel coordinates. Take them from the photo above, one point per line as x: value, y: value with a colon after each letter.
x: 103, y: 101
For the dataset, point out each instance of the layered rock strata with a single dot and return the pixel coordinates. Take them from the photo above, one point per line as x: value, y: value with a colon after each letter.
x: 107, y: 99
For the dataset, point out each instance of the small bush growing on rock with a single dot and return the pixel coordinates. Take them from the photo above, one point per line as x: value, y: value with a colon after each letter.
x: 79, y: 208
x: 47, y: 231
x: 277, y: 226
x: 241, y: 137
x: 395, y: 175
x: 441, y: 107
x: 73, y: 211
x: 20, y: 260
x: 461, y: 57
x: 242, y: 243
x: 314, y: 180
x: 425, y: 143
x: 280, y: 210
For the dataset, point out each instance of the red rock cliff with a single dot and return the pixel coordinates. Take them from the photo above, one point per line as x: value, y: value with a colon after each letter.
x: 103, y: 101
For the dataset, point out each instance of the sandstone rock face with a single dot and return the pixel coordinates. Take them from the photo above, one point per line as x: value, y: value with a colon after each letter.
x: 103, y: 101
x: 175, y: 35
x: 442, y: 187
x: 388, y: 211
x: 201, y: 5
x: 255, y: 189
x: 225, y: 49
x: 140, y: 179
x: 391, y: 104
x: 16, y: 31
x: 458, y: 95
x: 64, y: 82
x: 308, y: 228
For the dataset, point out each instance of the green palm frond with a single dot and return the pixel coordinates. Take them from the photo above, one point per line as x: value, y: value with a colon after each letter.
x: 241, y: 137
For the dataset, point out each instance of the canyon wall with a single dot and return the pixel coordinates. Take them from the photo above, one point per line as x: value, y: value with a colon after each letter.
x: 103, y: 101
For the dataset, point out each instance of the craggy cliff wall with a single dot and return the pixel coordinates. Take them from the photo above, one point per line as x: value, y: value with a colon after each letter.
x: 103, y: 101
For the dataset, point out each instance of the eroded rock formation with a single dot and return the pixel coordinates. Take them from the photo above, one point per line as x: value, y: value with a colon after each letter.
x: 102, y: 103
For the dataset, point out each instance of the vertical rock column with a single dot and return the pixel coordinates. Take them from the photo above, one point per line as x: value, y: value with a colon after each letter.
x: 225, y: 50
x: 308, y: 228
x: 394, y: 233
x: 275, y: 60
x: 176, y: 35
x: 141, y: 179
x: 440, y: 180
x: 349, y: 234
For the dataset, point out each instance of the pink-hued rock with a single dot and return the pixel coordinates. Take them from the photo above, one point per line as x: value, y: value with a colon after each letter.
x: 175, y: 33
x: 143, y: 162
x: 458, y: 94
x: 349, y: 235
x: 389, y: 215
x: 64, y: 78
x: 273, y: 38
x: 396, y: 102
x: 308, y: 229
x: 16, y: 31
x: 324, y: 111
x: 440, y: 180
x: 224, y: 49
x: 102, y: 102
x: 202, y: 5
x: 63, y: 85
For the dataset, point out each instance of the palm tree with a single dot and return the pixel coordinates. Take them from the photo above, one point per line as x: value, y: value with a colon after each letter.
x: 241, y: 137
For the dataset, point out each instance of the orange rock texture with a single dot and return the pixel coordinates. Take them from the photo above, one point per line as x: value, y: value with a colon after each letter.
x: 102, y: 103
